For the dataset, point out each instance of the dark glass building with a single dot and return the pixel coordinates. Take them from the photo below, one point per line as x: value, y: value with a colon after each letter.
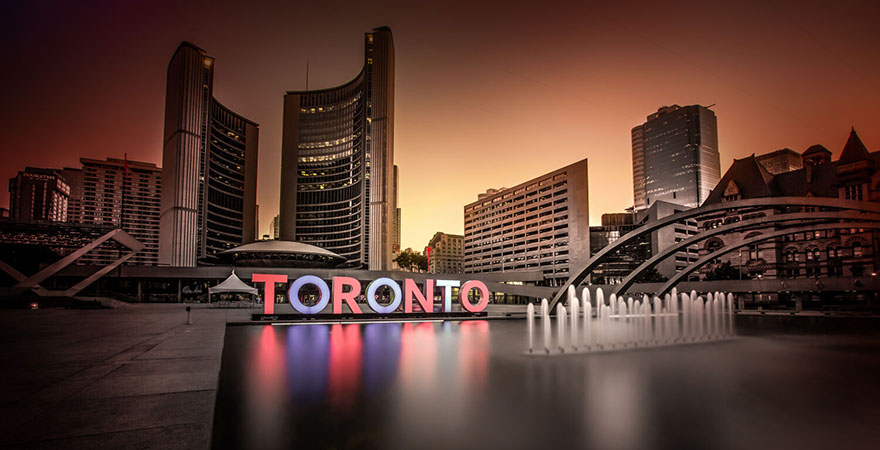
x: 38, y: 194
x: 675, y: 156
x: 209, y: 166
x: 337, y: 176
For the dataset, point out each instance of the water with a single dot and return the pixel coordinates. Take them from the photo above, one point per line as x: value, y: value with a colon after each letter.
x: 472, y: 385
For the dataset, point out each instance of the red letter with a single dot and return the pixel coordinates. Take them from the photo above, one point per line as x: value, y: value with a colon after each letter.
x: 269, y: 290
x: 350, y: 297
x: 484, y: 295
x: 410, y: 288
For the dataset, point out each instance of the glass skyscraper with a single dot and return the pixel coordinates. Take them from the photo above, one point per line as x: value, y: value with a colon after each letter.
x: 675, y: 156
x: 337, y: 175
x: 209, y: 166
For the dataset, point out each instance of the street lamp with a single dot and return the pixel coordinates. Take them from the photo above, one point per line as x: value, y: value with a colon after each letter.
x: 740, y: 264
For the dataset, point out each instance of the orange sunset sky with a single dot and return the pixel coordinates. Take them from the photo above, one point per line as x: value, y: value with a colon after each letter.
x: 488, y: 94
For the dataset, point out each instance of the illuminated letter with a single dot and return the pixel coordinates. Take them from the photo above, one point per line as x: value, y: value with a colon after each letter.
x: 447, y: 286
x: 269, y: 290
x: 350, y: 297
x: 484, y: 296
x: 410, y: 288
x: 371, y: 295
x: 293, y: 294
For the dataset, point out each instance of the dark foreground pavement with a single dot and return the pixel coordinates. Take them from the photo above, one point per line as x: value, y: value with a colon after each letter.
x: 133, y: 377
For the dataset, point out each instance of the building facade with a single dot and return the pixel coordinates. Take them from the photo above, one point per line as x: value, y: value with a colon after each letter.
x: 781, y: 161
x: 822, y: 253
x: 74, y: 179
x: 123, y: 194
x: 38, y: 195
x: 209, y: 166
x: 675, y: 156
x: 615, y: 225
x: 445, y: 253
x: 337, y: 163
x: 541, y: 224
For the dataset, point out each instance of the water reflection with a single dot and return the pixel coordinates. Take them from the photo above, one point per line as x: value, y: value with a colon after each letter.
x: 469, y: 385
x: 308, y: 357
x: 337, y: 363
x: 346, y: 362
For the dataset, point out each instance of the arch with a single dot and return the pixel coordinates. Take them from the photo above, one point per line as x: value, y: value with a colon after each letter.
x: 578, y: 276
x: 712, y: 233
x: 705, y: 259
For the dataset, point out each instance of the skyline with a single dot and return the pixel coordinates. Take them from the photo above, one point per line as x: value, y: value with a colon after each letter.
x: 459, y: 92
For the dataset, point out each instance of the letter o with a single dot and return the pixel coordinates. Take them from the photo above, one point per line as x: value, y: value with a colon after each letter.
x: 293, y: 294
x: 371, y: 295
x: 484, y: 295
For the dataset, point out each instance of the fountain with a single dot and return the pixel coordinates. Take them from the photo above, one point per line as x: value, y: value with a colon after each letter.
x: 649, y: 322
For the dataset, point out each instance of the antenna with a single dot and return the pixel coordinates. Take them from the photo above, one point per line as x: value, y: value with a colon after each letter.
x: 307, y: 75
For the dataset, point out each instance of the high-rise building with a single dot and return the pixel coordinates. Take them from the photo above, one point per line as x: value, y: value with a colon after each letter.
x: 675, y: 156
x: 74, y: 179
x: 395, y: 241
x: 209, y: 166
x: 38, y: 194
x: 445, y: 253
x: 781, y: 161
x: 337, y: 162
x: 124, y: 194
x: 542, y: 224
x: 275, y: 226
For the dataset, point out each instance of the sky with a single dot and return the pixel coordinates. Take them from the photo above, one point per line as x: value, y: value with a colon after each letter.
x: 488, y: 94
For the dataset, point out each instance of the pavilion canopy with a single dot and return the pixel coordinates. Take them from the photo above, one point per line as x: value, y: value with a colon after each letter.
x: 232, y: 284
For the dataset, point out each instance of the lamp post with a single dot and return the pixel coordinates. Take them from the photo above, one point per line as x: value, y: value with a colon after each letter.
x: 740, y: 264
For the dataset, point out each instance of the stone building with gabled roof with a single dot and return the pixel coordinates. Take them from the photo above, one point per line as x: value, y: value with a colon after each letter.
x: 855, y: 175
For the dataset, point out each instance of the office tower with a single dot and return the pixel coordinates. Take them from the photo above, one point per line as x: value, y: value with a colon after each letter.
x: 124, y: 194
x: 209, y: 166
x: 275, y: 224
x: 445, y: 253
x: 337, y: 162
x: 38, y: 194
x: 781, y: 161
x: 395, y: 241
x: 675, y: 156
x: 542, y: 224
x: 74, y: 179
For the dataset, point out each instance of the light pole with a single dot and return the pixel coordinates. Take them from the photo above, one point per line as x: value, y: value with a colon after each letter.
x: 740, y: 264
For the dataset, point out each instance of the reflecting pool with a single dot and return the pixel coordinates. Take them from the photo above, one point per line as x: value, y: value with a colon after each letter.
x: 785, y: 383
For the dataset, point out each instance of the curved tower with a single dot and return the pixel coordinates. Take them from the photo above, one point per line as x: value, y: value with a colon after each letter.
x: 209, y: 166
x: 337, y: 176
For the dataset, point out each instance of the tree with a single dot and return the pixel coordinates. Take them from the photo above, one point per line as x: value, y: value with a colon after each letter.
x: 404, y: 260
x: 650, y: 276
x: 420, y: 262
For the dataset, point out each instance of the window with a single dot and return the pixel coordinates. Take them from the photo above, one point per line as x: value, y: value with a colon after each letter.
x: 853, y: 192
x: 857, y: 250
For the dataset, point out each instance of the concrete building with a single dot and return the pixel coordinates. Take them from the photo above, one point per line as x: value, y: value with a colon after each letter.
x: 209, y: 166
x: 337, y: 162
x: 781, y: 161
x: 818, y: 254
x: 675, y: 156
x: 38, y: 195
x: 445, y: 253
x: 123, y: 194
x: 541, y: 224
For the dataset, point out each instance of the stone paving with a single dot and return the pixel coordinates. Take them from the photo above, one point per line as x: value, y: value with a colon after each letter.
x: 133, y: 377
